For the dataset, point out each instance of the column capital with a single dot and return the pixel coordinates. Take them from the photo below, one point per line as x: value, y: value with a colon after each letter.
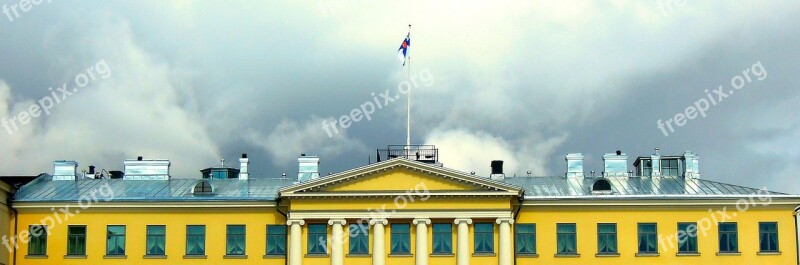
x: 421, y: 220
x: 463, y: 220
x: 505, y: 220
x: 296, y: 221
x: 378, y: 221
x: 337, y: 221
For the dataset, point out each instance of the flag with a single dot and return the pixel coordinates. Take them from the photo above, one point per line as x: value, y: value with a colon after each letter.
x: 402, y: 53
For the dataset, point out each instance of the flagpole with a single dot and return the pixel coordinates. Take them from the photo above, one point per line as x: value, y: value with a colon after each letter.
x: 408, y: 121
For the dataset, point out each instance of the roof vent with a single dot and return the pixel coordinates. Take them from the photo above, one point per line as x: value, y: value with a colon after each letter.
x: 203, y: 188
x: 308, y: 168
x: 601, y: 186
x: 140, y: 169
x: 497, y: 170
x: 574, y: 165
x: 616, y: 164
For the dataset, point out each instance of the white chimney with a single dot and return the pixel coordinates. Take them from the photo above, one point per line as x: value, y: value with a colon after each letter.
x: 243, y: 171
x: 656, y: 164
x: 65, y: 170
x: 616, y: 164
x: 691, y: 165
x: 308, y: 168
x: 574, y: 165
x: 140, y: 169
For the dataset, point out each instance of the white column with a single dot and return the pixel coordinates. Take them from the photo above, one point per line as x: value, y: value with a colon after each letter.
x: 337, y: 241
x: 378, y: 248
x: 295, y: 241
x: 462, y: 249
x: 422, y: 240
x: 504, y: 250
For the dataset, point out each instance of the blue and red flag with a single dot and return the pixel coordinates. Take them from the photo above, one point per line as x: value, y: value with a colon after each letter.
x: 402, y: 53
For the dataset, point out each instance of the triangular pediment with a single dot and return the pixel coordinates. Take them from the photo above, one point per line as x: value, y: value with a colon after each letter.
x: 397, y: 176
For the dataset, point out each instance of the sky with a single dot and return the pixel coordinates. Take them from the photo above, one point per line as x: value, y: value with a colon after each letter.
x: 521, y: 81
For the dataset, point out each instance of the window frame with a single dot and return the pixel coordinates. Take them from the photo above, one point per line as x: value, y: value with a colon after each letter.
x: 116, y: 240
x: 361, y: 235
x: 37, y: 239
x: 156, y: 236
x: 76, y: 237
x: 229, y: 236
x: 668, y: 167
x: 777, y: 248
x: 483, y: 234
x: 608, y: 235
x: 521, y: 236
x: 199, y: 237
x: 312, y: 249
x: 573, y: 234
x: 691, y: 238
x: 444, y: 236
x: 279, y: 237
x: 728, y: 234
x: 647, y: 235
x: 399, y: 235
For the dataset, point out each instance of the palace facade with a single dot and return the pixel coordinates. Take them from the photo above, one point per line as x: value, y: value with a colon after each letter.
x: 407, y: 209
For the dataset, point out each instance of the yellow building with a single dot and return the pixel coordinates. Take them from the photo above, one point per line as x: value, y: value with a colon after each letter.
x: 405, y: 210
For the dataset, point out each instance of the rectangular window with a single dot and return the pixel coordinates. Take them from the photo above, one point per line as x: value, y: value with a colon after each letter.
x: 687, y: 237
x: 76, y: 240
x: 669, y: 167
x: 156, y: 240
x: 768, y: 237
x: 647, y: 168
x: 234, y: 243
x: 37, y: 244
x: 359, y: 239
x: 401, y: 239
x: 317, y: 238
x: 566, y: 239
x: 195, y: 240
x: 728, y: 238
x: 484, y: 238
x: 442, y: 238
x: 526, y: 238
x: 607, y: 238
x: 648, y: 238
x: 115, y: 240
x: 276, y: 240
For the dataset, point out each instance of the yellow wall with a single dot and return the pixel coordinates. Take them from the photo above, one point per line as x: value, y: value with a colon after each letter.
x: 667, y: 219
x: 175, y: 220
x: 400, y: 180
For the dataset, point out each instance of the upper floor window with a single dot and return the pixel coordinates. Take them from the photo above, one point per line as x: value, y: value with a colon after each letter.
x: 607, y: 238
x: 526, y: 238
x: 768, y: 237
x: 566, y: 239
x: 76, y: 240
x: 276, y: 240
x: 317, y: 238
x: 115, y: 240
x: 442, y: 238
x: 156, y: 240
x: 37, y: 242
x: 235, y: 242
x: 484, y: 238
x: 195, y: 240
x: 359, y: 239
x: 728, y: 238
x: 401, y: 239
x: 687, y: 237
x: 648, y: 238
x: 669, y: 167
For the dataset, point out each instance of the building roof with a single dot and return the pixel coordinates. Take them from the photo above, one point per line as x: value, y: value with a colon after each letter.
x: 622, y: 187
x: 43, y: 189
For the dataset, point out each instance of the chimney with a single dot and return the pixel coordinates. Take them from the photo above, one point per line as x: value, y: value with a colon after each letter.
x: 244, y: 173
x: 91, y: 174
x: 150, y: 169
x: 691, y: 165
x: 574, y: 165
x: 308, y: 168
x: 497, y: 170
x: 65, y: 170
x: 656, y: 164
x: 616, y: 164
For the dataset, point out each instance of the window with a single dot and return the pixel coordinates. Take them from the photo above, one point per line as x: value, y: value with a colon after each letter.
x: 647, y: 168
x: 359, y: 239
x: 115, y: 240
x: 601, y: 185
x: 203, y: 188
x: 566, y: 239
x: 484, y: 238
x: 442, y: 238
x: 728, y: 238
x: 37, y: 244
x: 195, y: 240
x: 276, y: 240
x: 768, y: 237
x: 648, y: 238
x: 687, y: 237
x: 219, y: 174
x: 526, y: 238
x: 156, y: 240
x: 607, y: 238
x: 317, y: 239
x: 669, y: 167
x: 76, y: 240
x: 234, y: 244
x: 401, y: 239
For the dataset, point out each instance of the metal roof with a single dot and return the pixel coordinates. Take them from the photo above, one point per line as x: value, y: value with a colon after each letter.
x: 43, y: 189
x: 561, y: 186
